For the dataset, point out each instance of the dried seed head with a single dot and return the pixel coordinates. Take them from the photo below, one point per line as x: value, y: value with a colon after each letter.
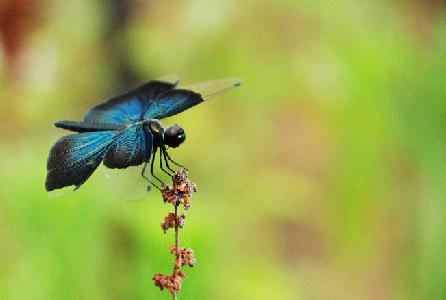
x: 160, y: 281
x: 170, y: 282
x: 170, y: 221
x: 182, y: 189
x: 185, y: 257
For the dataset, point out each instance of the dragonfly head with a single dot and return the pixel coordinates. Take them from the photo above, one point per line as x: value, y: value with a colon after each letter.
x: 174, y: 136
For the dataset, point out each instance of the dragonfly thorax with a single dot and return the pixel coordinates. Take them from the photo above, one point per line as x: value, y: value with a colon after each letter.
x: 155, y: 126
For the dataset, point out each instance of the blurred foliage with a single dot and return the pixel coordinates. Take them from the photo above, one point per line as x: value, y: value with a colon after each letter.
x: 322, y: 177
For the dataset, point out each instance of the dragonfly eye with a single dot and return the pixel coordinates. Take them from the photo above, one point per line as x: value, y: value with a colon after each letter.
x: 174, y: 135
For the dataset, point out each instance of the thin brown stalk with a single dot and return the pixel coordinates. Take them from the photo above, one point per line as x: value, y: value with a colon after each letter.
x: 177, y: 232
x: 177, y: 247
x: 179, y: 194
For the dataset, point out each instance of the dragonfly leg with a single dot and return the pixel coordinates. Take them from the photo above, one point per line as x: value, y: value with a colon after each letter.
x: 161, y: 165
x: 148, y: 179
x: 166, y: 160
x: 170, y: 158
x: 151, y: 168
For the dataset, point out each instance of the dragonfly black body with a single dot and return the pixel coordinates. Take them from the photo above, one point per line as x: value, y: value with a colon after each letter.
x: 172, y: 136
x: 125, y: 131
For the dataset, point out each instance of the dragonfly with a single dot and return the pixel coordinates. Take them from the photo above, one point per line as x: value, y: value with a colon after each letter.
x: 125, y: 131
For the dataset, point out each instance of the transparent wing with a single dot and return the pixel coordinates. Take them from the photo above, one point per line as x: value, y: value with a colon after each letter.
x: 173, y: 79
x: 212, y: 88
x: 128, y: 184
x: 177, y: 100
x: 61, y: 193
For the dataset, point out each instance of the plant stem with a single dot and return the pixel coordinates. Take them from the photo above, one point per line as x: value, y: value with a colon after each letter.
x: 177, y: 231
x: 177, y: 245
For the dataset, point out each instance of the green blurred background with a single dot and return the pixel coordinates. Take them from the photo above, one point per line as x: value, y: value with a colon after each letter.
x: 322, y: 177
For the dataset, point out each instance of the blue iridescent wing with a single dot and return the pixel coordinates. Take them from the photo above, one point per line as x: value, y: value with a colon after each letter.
x: 128, y: 107
x: 88, y: 127
x: 175, y: 101
x: 74, y: 157
x: 131, y: 147
x: 171, y: 103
